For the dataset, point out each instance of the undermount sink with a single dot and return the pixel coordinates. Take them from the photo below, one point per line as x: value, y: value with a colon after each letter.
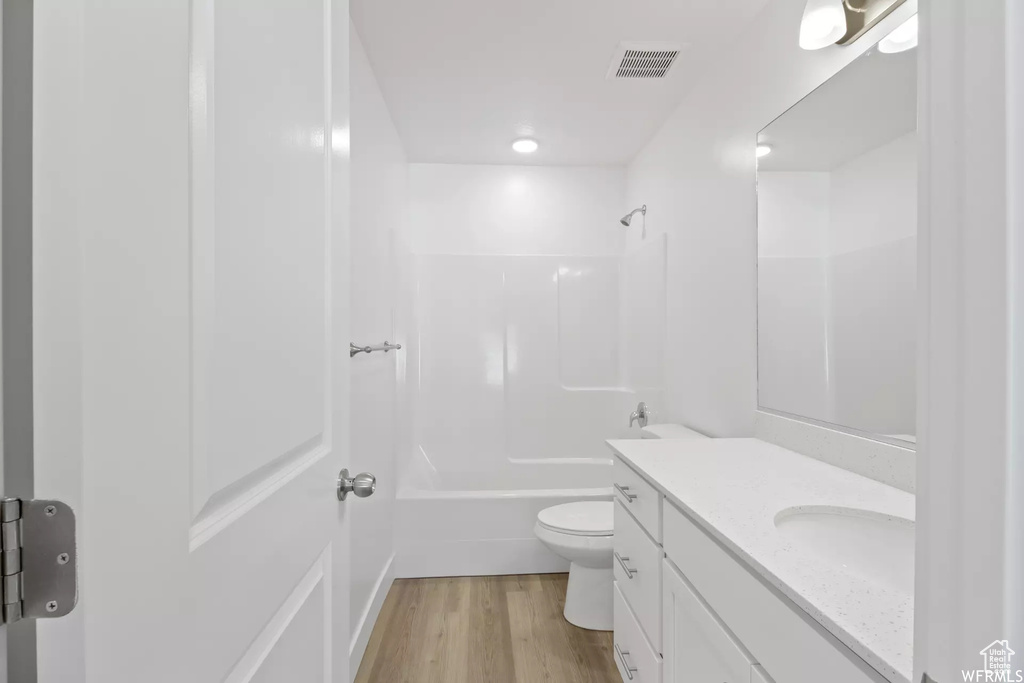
x: 876, y: 546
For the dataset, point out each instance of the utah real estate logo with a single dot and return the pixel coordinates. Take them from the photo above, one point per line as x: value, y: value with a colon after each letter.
x: 997, y: 666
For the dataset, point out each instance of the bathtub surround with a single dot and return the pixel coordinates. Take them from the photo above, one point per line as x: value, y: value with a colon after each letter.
x: 379, y: 201
x: 533, y: 335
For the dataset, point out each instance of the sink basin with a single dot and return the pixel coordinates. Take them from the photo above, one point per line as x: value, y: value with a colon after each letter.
x: 875, y: 546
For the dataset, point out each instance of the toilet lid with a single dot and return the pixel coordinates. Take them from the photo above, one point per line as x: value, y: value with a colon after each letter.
x: 590, y: 518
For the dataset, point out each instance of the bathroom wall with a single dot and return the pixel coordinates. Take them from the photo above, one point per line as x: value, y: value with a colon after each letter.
x: 522, y: 292
x: 379, y: 202
x: 697, y: 176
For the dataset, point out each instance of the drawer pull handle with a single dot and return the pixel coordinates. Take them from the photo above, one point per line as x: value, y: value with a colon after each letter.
x: 630, y: 670
x: 625, y: 567
x: 624, y: 490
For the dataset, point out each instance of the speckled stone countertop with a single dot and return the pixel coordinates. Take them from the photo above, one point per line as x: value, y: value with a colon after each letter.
x: 734, y: 488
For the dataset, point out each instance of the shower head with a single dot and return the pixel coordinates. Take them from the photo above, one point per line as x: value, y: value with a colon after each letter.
x: 628, y: 218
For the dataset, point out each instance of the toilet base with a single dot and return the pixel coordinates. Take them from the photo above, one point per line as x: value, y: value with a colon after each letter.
x: 588, y: 598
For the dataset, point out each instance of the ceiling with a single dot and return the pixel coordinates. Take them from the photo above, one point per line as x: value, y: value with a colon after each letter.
x: 869, y: 103
x: 464, y: 78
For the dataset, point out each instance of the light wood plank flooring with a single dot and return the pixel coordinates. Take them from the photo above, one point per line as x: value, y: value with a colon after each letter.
x: 487, y: 629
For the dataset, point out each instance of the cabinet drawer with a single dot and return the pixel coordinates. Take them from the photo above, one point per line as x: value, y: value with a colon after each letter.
x: 637, y: 567
x: 640, y: 498
x: 636, y: 661
x: 778, y: 634
x: 697, y: 646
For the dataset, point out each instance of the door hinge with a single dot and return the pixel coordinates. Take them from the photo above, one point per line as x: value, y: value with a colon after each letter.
x: 39, y: 560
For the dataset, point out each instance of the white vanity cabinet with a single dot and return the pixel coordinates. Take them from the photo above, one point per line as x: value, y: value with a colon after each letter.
x: 689, y: 611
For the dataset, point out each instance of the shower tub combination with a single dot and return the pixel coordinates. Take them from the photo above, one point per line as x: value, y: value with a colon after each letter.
x: 518, y: 367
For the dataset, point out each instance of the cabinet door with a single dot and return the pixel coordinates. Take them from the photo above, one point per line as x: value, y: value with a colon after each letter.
x: 696, y: 647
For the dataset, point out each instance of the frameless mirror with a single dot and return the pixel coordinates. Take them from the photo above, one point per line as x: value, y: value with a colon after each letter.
x: 837, y: 251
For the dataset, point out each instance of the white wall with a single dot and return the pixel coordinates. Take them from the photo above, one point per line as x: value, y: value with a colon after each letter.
x: 379, y: 202
x: 697, y: 178
x: 508, y: 210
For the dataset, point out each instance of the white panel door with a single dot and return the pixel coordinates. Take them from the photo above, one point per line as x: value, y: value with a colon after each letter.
x: 191, y: 320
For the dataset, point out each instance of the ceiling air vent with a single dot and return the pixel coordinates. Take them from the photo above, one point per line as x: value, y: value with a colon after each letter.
x: 643, y: 60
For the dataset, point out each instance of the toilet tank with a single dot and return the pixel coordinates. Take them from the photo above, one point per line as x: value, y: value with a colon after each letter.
x: 669, y: 431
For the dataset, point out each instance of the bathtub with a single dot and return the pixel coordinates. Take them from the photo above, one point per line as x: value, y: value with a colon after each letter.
x: 480, y: 524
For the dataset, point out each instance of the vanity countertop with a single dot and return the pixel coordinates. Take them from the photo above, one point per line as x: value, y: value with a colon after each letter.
x: 734, y: 488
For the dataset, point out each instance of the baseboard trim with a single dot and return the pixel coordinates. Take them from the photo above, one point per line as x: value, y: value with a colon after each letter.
x: 477, y: 557
x: 361, y: 636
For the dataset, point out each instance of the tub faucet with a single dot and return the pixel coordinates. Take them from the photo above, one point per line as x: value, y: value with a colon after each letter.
x: 639, y: 415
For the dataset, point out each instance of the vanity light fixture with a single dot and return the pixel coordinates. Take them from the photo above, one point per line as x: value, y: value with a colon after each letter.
x: 763, y: 150
x: 525, y: 145
x: 903, y: 38
x: 840, y: 22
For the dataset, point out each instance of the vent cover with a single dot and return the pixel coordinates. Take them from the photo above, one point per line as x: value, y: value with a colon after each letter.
x: 643, y: 60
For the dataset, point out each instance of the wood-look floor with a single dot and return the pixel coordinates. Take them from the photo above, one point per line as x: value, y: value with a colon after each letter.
x: 488, y: 629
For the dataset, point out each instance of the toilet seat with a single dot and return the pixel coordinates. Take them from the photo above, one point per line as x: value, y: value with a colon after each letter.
x: 586, y: 518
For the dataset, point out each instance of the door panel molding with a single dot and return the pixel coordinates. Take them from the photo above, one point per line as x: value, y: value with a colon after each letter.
x: 252, y: 661
x: 294, y: 371
x: 230, y: 504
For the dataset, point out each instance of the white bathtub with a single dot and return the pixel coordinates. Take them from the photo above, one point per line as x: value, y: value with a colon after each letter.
x: 482, y: 524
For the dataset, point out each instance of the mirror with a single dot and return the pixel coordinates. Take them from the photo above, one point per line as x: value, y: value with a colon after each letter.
x: 837, y: 251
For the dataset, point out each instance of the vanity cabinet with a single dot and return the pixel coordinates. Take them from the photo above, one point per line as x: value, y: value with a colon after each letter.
x: 689, y: 611
x: 697, y: 646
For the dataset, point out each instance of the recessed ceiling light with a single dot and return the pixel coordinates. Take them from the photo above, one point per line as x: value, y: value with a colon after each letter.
x: 525, y: 145
x: 903, y: 38
x: 763, y: 150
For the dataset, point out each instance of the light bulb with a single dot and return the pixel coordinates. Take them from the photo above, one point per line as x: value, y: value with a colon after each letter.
x: 823, y: 24
x: 902, y: 38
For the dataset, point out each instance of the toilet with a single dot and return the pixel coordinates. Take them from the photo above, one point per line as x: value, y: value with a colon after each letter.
x: 582, y: 533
